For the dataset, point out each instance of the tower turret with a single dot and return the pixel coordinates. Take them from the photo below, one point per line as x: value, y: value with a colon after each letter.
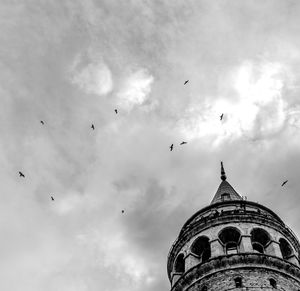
x: 234, y: 244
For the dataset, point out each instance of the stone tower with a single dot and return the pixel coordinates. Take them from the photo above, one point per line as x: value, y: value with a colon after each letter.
x: 234, y: 244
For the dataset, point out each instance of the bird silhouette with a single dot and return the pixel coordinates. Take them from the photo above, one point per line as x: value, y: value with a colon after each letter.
x: 186, y: 82
x: 93, y: 127
x: 42, y: 122
x: 184, y: 142
x: 171, y: 147
x: 123, y: 211
x: 284, y: 183
x: 221, y: 116
x: 52, y: 198
x: 116, y: 110
x: 21, y: 174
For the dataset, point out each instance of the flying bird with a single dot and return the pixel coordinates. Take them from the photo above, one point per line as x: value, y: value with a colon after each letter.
x: 184, y: 142
x: 186, y: 82
x: 52, y: 198
x: 122, y: 211
x: 171, y: 147
x: 21, y: 174
x: 221, y: 116
x: 116, y: 110
x: 42, y: 122
x: 93, y: 127
x: 284, y: 183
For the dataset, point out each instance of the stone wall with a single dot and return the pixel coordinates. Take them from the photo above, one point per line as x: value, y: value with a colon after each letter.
x: 255, y: 271
x: 252, y: 279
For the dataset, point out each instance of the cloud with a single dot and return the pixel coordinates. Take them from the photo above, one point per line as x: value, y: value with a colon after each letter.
x: 242, y: 59
x: 113, y: 251
x: 135, y: 89
x: 294, y: 116
x: 256, y: 110
x: 92, y: 78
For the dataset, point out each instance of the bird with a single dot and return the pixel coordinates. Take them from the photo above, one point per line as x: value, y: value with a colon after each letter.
x: 171, y: 147
x: 284, y: 183
x: 21, y: 174
x: 221, y: 116
x: 116, y: 110
x: 93, y: 127
x: 42, y: 122
x: 52, y: 198
x: 185, y: 82
x: 184, y: 142
x: 122, y: 211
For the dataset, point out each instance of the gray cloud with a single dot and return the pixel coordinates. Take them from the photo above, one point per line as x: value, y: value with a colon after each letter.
x: 82, y: 241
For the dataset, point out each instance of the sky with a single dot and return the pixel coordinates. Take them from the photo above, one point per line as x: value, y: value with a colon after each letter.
x: 71, y: 63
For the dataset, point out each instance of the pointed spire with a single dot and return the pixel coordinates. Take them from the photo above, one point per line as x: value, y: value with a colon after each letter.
x: 225, y: 191
x: 223, y: 176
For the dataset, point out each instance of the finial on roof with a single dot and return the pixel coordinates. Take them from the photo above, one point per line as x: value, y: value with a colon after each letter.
x: 223, y: 176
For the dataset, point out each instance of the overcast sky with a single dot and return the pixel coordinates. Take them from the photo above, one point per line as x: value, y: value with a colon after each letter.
x: 70, y: 63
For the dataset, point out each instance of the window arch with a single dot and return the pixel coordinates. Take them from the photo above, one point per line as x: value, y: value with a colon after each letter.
x: 230, y: 237
x: 285, y: 248
x: 201, y: 248
x: 179, y: 264
x: 259, y: 239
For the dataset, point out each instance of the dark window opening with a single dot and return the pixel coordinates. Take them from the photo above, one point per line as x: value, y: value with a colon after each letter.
x: 285, y: 248
x: 257, y: 247
x: 179, y: 264
x: 238, y: 282
x: 225, y: 197
x: 206, y: 255
x: 273, y: 283
x: 201, y: 248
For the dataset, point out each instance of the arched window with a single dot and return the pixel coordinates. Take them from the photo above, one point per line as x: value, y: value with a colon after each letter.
x: 273, y: 283
x: 201, y: 248
x: 179, y: 264
x: 238, y: 282
x: 230, y: 237
x: 259, y: 239
x: 285, y: 248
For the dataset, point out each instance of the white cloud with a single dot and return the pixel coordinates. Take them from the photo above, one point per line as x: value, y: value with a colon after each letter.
x: 94, y: 78
x: 294, y: 116
x: 135, y: 90
x: 260, y: 83
x: 68, y: 203
x: 258, y: 110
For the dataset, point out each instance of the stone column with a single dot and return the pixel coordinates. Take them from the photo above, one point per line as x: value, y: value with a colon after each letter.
x: 293, y: 259
x: 175, y: 277
x: 216, y: 248
x: 273, y: 249
x: 190, y: 261
x: 245, y: 244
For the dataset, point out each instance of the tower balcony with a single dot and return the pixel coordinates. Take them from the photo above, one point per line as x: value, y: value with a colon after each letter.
x: 218, y: 273
x: 230, y: 213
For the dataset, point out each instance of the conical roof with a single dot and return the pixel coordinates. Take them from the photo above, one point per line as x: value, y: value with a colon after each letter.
x: 225, y: 191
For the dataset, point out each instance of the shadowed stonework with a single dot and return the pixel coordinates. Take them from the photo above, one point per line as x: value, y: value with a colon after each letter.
x: 234, y: 244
